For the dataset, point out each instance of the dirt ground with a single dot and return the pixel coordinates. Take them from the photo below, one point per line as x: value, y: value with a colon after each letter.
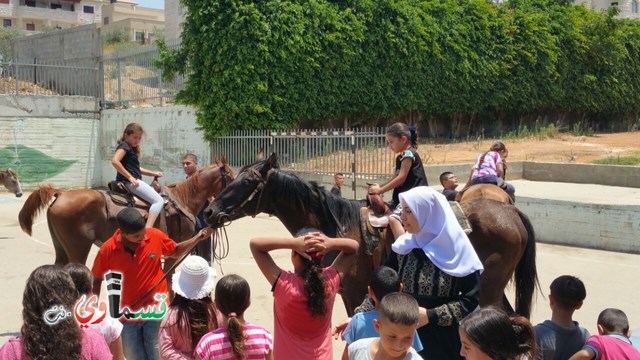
x: 559, y: 148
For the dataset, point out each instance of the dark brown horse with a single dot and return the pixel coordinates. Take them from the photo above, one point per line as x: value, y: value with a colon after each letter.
x: 9, y: 179
x: 78, y: 218
x: 489, y: 191
x: 502, y: 235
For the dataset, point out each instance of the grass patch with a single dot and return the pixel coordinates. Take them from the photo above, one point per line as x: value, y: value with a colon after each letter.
x: 628, y: 159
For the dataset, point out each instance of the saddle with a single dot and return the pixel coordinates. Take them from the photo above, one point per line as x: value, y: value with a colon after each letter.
x: 118, y: 196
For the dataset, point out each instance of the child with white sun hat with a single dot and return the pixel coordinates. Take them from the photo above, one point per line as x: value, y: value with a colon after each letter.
x: 192, y: 312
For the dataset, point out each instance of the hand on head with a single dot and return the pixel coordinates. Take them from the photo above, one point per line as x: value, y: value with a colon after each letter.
x: 315, y: 242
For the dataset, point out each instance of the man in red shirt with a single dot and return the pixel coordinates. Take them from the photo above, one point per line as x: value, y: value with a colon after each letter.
x: 135, y: 252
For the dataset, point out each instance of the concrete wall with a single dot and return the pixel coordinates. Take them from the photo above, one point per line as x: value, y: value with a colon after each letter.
x: 79, y: 47
x: 169, y: 133
x: 598, y: 226
x: 613, y: 175
x: 56, y: 150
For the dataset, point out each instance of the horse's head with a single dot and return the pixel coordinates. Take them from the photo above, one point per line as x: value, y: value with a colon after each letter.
x: 216, y: 176
x: 242, y: 196
x: 9, y: 179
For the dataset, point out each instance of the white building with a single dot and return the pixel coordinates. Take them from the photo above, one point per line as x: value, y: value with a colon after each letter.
x: 628, y: 8
x: 140, y: 21
x: 174, y: 14
x: 38, y: 15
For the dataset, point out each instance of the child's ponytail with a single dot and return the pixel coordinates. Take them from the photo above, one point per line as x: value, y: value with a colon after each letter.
x: 232, y: 297
x: 314, y: 286
x: 413, y: 139
x: 236, y: 335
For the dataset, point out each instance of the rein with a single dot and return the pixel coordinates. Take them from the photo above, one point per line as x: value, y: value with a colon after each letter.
x: 215, y: 255
x: 218, y: 257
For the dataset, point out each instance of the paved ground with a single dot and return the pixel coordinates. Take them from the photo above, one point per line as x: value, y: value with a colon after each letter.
x: 611, y: 278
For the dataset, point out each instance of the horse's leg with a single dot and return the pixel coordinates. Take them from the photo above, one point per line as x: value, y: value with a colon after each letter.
x: 495, y: 277
x: 61, y: 253
x: 356, y: 281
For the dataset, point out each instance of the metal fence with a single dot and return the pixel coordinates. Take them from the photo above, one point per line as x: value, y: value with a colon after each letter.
x: 40, y: 77
x: 130, y: 77
x: 358, y: 153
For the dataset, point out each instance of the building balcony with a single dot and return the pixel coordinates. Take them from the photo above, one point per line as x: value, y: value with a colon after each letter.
x: 60, y: 15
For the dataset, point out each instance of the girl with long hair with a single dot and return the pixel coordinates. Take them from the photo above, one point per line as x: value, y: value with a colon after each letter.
x: 49, y: 330
x: 236, y: 338
x: 303, y: 299
x: 125, y: 161
x: 490, y: 334
x: 192, y: 313
x: 109, y: 327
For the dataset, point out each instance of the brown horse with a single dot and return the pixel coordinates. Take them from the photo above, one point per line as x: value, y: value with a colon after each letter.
x: 9, y: 179
x: 489, y: 191
x: 502, y: 235
x: 78, y: 218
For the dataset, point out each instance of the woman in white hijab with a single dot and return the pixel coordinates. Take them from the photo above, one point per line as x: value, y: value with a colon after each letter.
x: 438, y: 266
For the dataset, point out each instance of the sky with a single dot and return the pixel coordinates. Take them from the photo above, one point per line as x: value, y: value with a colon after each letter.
x: 158, y: 4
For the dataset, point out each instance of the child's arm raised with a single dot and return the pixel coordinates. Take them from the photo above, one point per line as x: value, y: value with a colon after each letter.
x: 260, y: 248
x: 397, y: 180
x: 348, y: 249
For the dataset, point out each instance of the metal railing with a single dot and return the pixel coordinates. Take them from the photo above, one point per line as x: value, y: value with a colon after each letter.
x: 362, y: 153
x: 39, y: 77
x: 130, y: 78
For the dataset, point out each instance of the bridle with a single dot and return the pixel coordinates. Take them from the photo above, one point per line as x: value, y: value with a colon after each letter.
x: 254, y: 175
x: 224, y: 176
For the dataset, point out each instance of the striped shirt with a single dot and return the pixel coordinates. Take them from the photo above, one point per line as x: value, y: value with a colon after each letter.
x: 216, y: 344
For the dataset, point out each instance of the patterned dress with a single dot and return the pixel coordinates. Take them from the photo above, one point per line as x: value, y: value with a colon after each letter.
x: 447, y: 299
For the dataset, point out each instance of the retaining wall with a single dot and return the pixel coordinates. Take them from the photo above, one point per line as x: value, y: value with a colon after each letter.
x: 599, y: 226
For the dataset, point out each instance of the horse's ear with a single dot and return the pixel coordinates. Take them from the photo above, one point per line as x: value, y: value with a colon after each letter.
x: 260, y: 154
x: 215, y: 161
x: 272, y: 161
x: 224, y: 159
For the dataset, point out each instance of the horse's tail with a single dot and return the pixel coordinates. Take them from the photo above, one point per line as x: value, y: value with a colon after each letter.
x: 36, y: 202
x: 526, y: 274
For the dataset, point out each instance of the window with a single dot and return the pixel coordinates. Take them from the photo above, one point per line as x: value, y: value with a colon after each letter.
x: 614, y: 3
x: 88, y: 9
x: 30, y: 3
x: 139, y: 36
x: 149, y: 35
x: 31, y: 27
x: 56, y: 6
x: 634, y: 6
x: 105, y: 21
x: 6, y: 23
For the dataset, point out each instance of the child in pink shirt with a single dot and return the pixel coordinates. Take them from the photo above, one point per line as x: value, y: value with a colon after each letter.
x: 613, y: 342
x: 59, y: 336
x: 236, y: 339
x: 303, y: 299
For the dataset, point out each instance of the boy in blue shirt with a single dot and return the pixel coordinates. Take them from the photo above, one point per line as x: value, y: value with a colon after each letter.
x: 384, y: 280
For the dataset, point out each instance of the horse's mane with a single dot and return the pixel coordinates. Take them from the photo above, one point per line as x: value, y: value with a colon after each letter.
x: 313, y: 198
x: 188, y: 188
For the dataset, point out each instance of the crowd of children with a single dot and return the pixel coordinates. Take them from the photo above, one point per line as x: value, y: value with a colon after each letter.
x: 423, y: 304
